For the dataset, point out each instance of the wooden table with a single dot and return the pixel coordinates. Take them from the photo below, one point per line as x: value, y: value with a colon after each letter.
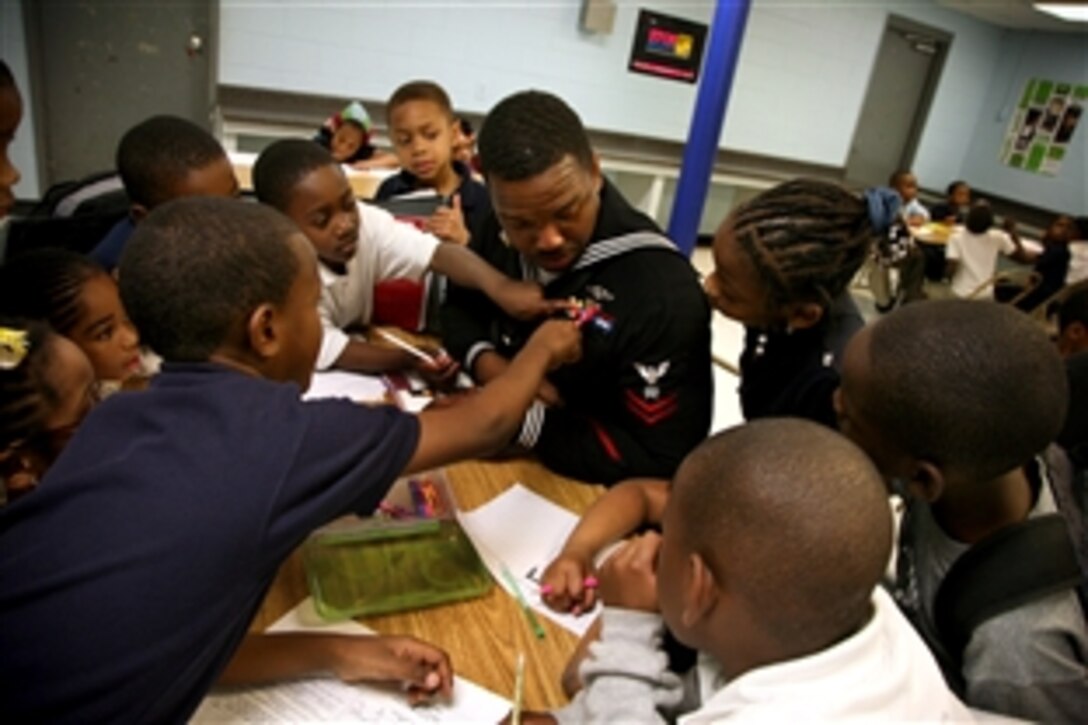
x: 483, y: 636
x: 934, y: 233
x: 364, y: 183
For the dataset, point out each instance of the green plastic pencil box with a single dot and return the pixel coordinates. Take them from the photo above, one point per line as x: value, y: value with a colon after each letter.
x: 381, y: 564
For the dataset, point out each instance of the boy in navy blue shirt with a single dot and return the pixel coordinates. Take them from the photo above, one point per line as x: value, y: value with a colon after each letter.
x: 130, y: 576
x: 164, y: 158
x: 423, y: 130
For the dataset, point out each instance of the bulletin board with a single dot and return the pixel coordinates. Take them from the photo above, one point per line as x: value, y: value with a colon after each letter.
x: 1042, y: 128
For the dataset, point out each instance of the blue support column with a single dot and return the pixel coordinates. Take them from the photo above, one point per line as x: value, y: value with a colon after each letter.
x: 719, y: 67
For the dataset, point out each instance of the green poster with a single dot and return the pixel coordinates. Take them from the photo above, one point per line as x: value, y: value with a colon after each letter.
x: 1043, y: 125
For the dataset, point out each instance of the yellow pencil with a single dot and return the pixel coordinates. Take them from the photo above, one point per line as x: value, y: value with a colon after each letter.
x: 519, y: 690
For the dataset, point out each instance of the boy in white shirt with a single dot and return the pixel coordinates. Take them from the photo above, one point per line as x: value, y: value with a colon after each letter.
x: 774, y: 540
x: 972, y: 250
x: 360, y: 246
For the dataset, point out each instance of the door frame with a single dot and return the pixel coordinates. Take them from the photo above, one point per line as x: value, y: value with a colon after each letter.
x: 941, y: 40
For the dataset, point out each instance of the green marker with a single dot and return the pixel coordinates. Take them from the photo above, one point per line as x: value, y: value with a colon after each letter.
x: 534, y: 623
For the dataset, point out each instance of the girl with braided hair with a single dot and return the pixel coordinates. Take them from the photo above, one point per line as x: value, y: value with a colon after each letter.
x: 783, y: 262
x: 79, y: 300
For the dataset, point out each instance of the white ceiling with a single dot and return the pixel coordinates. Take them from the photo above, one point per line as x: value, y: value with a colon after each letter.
x: 1016, y: 14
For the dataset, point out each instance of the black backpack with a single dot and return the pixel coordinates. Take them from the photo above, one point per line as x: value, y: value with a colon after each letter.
x: 1019, y: 564
x: 72, y: 215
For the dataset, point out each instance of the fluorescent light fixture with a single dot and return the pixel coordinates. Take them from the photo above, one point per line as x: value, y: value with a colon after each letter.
x: 1073, y: 12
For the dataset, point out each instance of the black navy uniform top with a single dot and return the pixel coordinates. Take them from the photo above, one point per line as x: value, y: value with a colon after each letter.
x: 641, y: 396
x: 796, y: 373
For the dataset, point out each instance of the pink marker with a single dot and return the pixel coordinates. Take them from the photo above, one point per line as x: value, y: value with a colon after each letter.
x: 590, y: 582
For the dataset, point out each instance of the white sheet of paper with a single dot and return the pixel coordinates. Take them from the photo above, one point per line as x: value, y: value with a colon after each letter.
x: 411, y: 403
x: 353, y: 386
x: 524, y: 531
x: 326, y: 699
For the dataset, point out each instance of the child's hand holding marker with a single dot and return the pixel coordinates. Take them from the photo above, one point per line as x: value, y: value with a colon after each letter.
x: 435, y: 365
x: 441, y: 371
x: 569, y: 585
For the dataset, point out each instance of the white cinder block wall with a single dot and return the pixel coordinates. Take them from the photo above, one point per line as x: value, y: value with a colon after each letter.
x: 803, y: 73
x: 802, y: 77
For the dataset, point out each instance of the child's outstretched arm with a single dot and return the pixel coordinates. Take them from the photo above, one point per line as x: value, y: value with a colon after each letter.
x: 520, y: 300
x: 1020, y: 253
x: 424, y: 669
x: 487, y: 420
x: 627, y: 678
x: 361, y: 356
x: 618, y: 513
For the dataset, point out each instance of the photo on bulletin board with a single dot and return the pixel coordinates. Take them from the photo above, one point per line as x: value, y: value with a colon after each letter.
x: 667, y: 47
x: 1043, y: 126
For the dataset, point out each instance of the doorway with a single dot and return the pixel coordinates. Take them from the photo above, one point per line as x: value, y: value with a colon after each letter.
x: 102, y: 67
x: 904, y: 78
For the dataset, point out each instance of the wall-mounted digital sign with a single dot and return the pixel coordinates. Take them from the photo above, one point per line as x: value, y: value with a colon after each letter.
x: 667, y: 47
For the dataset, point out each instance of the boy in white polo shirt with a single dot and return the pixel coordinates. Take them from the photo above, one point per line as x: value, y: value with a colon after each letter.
x: 788, y: 627
x: 361, y: 246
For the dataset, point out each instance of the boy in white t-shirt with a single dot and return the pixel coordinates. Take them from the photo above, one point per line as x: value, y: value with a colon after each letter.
x: 972, y: 250
x: 360, y: 246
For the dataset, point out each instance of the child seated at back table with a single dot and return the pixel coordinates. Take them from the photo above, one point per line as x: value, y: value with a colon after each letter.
x: 164, y: 158
x: 79, y: 300
x: 167, y: 516
x: 423, y: 129
x: 972, y: 251
x: 359, y: 246
x: 789, y: 628
x: 953, y: 400
x: 906, y: 185
x: 1048, y: 274
x: 899, y: 250
x: 956, y: 204
x: 346, y: 136
x: 464, y: 147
